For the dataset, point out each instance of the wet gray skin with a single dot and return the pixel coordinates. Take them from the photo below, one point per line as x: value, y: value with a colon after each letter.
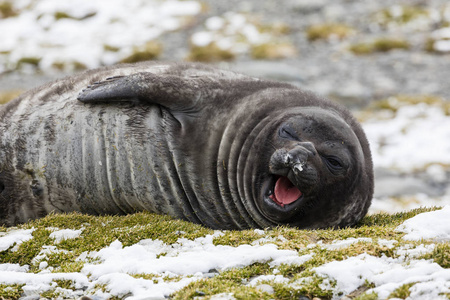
x: 191, y: 141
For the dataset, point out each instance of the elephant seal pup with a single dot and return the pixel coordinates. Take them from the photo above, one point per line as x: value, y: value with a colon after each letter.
x: 188, y: 140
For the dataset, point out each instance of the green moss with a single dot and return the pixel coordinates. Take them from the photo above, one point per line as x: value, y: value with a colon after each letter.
x: 208, y: 287
x: 13, y: 291
x: 393, y: 103
x: 404, y: 14
x: 367, y: 296
x: 362, y: 48
x: 75, y: 65
x: 151, y: 50
x: 284, y: 292
x: 63, y: 15
x: 387, y: 44
x: 440, y: 255
x: 309, y: 285
x: 401, y: 292
x: 379, y: 45
x: 7, y: 10
x: 61, y: 261
x: 209, y: 53
x: 99, y: 232
x: 34, y: 61
x: 278, y: 28
x: 273, y: 50
x: 27, y: 250
x: 245, y: 273
x: 111, y: 48
x: 6, y: 96
x: 327, y: 31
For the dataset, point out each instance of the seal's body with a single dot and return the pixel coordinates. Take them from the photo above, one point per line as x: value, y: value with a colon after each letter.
x: 197, y: 143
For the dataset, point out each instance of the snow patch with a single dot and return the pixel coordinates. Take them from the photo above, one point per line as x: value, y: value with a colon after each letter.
x: 387, y: 274
x: 417, y: 136
x: 429, y: 226
x: 15, y: 236
x: 65, y: 234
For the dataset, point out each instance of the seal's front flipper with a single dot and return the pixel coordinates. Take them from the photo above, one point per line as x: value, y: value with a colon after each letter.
x: 171, y: 91
x: 112, y: 89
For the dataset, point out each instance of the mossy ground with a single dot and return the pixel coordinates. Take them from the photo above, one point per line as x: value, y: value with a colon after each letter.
x: 329, y: 31
x: 379, y: 45
x: 8, y: 95
x: 99, y: 232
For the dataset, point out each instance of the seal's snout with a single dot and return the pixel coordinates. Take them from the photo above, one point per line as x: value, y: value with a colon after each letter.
x: 297, y: 157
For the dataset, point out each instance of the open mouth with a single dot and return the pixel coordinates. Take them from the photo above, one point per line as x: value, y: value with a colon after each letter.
x: 283, y: 191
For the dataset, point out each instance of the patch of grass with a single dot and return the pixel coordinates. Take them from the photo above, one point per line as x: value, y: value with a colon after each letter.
x: 328, y: 31
x: 73, y: 66
x: 273, y: 50
x: 7, y: 10
x: 101, y: 231
x: 401, y: 14
x: 284, y: 292
x: 63, y: 15
x: 393, y: 220
x: 61, y: 261
x: 244, y: 274
x: 27, y: 250
x: 309, y: 284
x: 367, y: 296
x: 440, y: 255
x: 6, y: 96
x: 13, y: 291
x: 111, y: 48
x: 34, y: 61
x: 394, y: 103
x: 157, y: 278
x: 209, y: 287
x: 209, y: 53
x: 387, y: 108
x: 401, y: 292
x: 277, y: 28
x: 151, y: 50
x: 379, y: 45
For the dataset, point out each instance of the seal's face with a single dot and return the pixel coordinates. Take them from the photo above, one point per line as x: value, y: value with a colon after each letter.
x: 312, y: 169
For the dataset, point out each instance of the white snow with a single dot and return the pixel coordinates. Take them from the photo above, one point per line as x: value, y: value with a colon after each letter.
x: 339, y: 244
x: 65, y: 234
x: 273, y: 278
x: 15, y: 237
x: 430, y: 226
x: 417, y: 136
x: 113, y: 266
x: 387, y: 274
x: 38, y: 32
x: 185, y: 257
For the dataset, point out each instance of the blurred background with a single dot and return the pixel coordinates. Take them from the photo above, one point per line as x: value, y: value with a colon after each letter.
x: 388, y: 61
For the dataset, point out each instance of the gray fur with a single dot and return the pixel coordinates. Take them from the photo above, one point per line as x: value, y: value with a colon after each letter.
x: 187, y: 140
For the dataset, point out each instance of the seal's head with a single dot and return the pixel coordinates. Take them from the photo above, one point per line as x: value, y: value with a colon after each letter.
x: 319, y: 171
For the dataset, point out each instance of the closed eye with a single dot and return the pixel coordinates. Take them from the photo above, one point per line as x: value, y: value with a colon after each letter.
x: 288, y: 133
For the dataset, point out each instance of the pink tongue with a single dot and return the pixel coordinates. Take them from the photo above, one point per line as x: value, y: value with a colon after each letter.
x: 285, y: 192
